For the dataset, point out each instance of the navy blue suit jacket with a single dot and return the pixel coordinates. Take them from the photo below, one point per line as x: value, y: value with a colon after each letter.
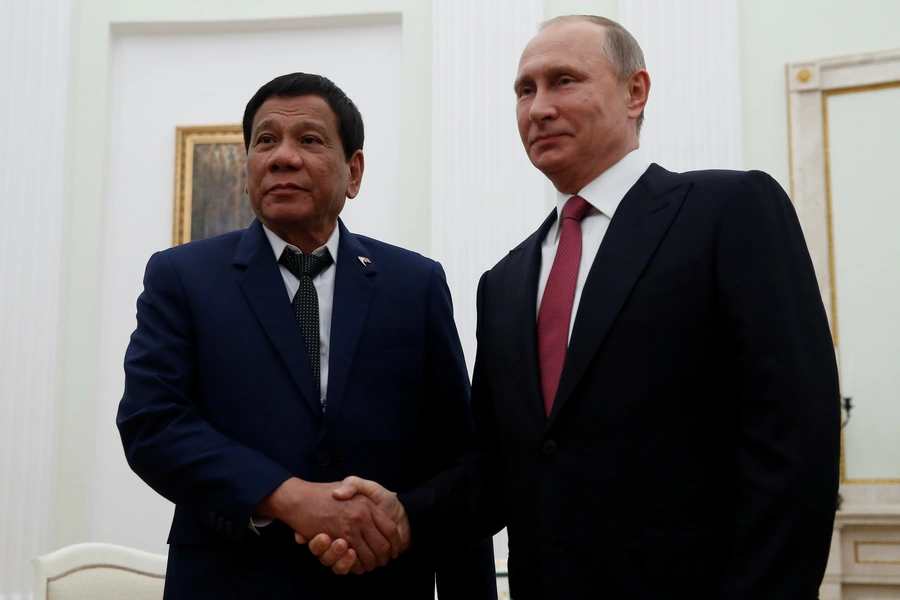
x: 220, y: 408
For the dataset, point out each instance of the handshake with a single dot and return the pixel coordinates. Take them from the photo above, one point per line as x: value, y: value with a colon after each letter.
x: 352, y: 526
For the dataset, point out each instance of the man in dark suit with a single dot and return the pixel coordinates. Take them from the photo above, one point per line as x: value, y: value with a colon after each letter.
x: 269, y: 360
x: 655, y: 388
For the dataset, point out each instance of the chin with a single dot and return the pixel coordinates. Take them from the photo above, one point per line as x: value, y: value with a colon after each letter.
x: 550, y: 159
x: 546, y: 165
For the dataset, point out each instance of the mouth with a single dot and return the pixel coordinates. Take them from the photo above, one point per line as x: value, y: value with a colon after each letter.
x: 284, y: 188
x: 545, y: 138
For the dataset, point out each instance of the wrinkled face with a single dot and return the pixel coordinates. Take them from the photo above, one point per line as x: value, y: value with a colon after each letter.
x: 297, y: 175
x: 572, y: 112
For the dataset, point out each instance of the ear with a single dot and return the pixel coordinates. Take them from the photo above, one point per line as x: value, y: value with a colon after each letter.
x: 357, y: 165
x: 638, y: 92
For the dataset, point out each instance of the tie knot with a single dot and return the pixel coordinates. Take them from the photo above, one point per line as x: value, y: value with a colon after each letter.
x: 575, y: 208
x: 300, y: 264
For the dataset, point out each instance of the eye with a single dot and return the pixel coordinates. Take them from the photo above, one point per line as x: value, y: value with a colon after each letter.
x: 309, y: 139
x: 525, y: 91
x: 265, y: 138
x: 566, y: 80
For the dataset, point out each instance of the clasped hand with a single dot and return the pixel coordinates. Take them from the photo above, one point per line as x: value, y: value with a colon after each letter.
x: 371, y: 528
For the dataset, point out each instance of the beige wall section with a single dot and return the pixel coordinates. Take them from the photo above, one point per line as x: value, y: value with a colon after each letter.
x: 83, y: 262
x: 776, y: 32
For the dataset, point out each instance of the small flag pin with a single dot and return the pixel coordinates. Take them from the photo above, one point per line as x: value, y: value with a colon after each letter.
x: 365, y: 261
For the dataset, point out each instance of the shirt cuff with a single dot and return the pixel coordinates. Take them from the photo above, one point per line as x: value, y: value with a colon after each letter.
x: 257, y: 521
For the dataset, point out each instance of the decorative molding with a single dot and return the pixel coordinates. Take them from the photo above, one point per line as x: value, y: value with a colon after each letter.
x: 809, y: 85
x: 809, y: 145
x: 33, y: 118
x: 868, y: 516
x: 860, y: 531
x: 825, y: 94
x: 692, y: 51
x: 878, y: 544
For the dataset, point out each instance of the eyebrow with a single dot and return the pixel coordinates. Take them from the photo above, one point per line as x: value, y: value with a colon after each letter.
x: 264, y: 124
x: 552, y: 72
x: 305, y: 124
x: 520, y: 80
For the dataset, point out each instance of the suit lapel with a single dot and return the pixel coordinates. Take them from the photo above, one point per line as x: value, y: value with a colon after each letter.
x: 639, y: 224
x: 524, y: 333
x: 354, y: 287
x: 264, y: 289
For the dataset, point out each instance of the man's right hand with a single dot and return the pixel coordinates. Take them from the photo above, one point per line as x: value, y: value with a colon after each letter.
x: 311, y: 509
x: 339, y: 553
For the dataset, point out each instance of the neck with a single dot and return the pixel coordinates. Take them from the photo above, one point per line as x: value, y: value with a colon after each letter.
x: 572, y: 181
x: 306, y: 239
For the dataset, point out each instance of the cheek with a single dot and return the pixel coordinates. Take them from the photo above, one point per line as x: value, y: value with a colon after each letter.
x: 523, y: 122
x: 255, y: 172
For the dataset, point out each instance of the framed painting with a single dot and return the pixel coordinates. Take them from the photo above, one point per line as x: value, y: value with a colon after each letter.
x: 210, y: 182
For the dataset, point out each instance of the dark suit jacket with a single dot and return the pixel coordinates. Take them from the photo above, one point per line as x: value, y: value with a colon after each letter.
x: 692, y: 451
x: 220, y: 408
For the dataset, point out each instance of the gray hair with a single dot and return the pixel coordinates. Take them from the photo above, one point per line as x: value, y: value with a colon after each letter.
x: 620, y: 47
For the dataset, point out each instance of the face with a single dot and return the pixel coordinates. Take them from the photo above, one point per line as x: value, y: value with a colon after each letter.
x: 575, y: 118
x: 297, y: 175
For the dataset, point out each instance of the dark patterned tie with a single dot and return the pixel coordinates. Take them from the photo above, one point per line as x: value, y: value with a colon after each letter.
x: 306, y: 302
x: 556, y: 305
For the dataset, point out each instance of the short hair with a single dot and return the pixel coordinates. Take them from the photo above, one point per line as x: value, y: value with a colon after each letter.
x: 620, y: 47
x: 350, y: 122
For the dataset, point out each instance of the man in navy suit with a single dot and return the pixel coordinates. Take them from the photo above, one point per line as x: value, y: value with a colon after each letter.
x: 655, y: 389
x: 269, y: 361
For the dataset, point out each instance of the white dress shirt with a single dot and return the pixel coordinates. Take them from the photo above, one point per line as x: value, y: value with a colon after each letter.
x: 604, y: 195
x: 324, y: 284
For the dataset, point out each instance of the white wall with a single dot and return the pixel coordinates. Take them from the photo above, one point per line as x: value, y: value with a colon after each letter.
x: 163, y: 80
x: 691, y: 49
x: 33, y: 127
x: 776, y: 32
x: 485, y: 195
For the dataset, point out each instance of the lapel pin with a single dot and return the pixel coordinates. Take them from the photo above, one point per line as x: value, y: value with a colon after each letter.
x: 365, y: 261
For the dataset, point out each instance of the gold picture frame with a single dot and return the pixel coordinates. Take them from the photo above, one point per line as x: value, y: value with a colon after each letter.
x: 210, y: 182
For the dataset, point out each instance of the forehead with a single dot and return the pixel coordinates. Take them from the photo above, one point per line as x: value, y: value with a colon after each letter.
x: 570, y: 43
x: 297, y: 108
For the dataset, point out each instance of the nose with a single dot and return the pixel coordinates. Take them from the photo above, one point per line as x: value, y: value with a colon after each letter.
x: 542, y: 107
x: 286, y: 157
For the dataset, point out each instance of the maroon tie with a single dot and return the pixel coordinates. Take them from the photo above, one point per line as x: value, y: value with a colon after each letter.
x: 556, y: 306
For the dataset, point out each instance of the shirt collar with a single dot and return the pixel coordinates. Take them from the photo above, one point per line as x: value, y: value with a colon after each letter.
x: 278, y: 244
x: 606, y: 191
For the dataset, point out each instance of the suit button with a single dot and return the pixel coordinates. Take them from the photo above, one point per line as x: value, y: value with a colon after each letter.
x: 548, y: 447
x: 323, y: 459
x: 220, y: 523
x: 228, y: 527
x: 212, y: 517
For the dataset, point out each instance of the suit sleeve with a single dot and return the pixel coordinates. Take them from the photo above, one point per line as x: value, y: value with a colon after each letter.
x: 470, y: 575
x: 167, y: 441
x: 788, y: 444
x: 457, y: 509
